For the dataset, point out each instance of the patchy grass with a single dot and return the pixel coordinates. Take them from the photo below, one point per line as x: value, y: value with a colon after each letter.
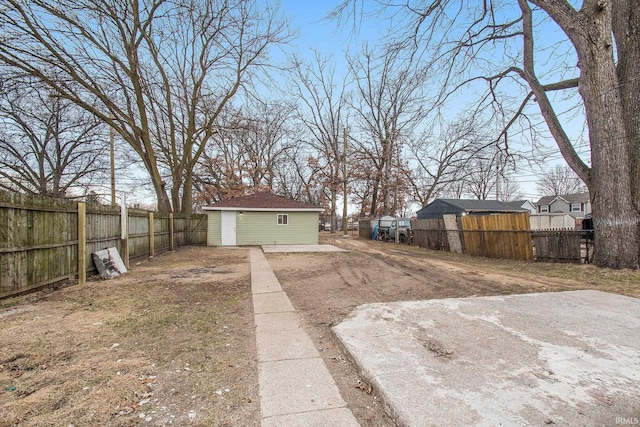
x: 625, y: 282
x: 170, y: 343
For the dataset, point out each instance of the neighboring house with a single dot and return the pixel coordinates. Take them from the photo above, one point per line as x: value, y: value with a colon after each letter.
x: 459, y: 207
x: 576, y: 205
x: 262, y: 219
x: 523, y: 204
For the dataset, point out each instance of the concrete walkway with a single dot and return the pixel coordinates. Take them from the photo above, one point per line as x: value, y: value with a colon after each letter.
x: 296, y: 388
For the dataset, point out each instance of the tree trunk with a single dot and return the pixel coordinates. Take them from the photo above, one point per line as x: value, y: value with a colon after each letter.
x: 187, y: 193
x: 615, y: 217
x: 626, y: 29
x: 159, y: 186
x: 333, y: 208
x: 164, y: 204
x: 386, y: 175
x: 176, y: 187
x: 373, y: 210
x: 610, y: 182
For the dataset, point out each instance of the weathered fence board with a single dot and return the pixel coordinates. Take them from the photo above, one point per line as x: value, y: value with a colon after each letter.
x: 180, y: 226
x: 558, y: 246
x: 138, y: 241
x: 498, y: 236
x: 38, y: 241
x: 39, y: 238
x: 103, y: 231
x: 430, y: 234
x: 161, y: 240
x: 195, y: 231
x: 364, y: 228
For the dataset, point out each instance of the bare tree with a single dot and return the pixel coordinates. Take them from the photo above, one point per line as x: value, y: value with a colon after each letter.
x: 488, y: 176
x: 597, y: 55
x: 480, y: 180
x: 454, y: 190
x: 249, y: 145
x: 48, y: 145
x: 221, y: 172
x: 443, y: 159
x: 560, y: 180
x: 159, y: 72
x: 362, y: 183
x: 322, y: 113
x: 266, y: 139
x: 298, y: 176
x: 509, y: 190
x: 390, y: 102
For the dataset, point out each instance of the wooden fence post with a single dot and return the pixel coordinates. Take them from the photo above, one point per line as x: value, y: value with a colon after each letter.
x: 82, y: 243
x: 151, y: 236
x: 171, y: 231
x: 124, y: 232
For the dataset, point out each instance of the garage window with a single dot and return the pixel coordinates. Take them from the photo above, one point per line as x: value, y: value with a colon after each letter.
x: 283, y: 219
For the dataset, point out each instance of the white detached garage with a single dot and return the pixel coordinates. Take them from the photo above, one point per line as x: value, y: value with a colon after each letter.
x: 262, y: 219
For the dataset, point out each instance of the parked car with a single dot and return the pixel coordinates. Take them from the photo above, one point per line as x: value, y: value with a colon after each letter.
x: 387, y: 230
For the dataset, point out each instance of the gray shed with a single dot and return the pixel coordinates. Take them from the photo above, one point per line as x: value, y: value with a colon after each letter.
x: 459, y: 207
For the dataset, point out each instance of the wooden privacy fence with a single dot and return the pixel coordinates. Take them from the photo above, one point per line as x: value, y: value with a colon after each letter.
x: 45, y: 240
x: 561, y: 246
x: 505, y: 236
x: 431, y: 234
x: 496, y: 236
x: 38, y: 241
x: 364, y: 228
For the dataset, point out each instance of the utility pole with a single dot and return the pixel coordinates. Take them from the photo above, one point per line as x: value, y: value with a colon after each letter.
x: 113, y: 164
x: 344, y: 183
x: 498, y: 159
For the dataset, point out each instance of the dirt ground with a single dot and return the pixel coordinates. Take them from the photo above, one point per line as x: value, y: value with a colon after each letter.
x: 172, y: 342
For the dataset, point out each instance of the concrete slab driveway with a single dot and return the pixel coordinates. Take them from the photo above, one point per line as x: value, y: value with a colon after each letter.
x: 565, y: 358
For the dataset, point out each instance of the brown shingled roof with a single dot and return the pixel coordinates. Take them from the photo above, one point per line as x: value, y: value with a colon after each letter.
x: 262, y: 201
